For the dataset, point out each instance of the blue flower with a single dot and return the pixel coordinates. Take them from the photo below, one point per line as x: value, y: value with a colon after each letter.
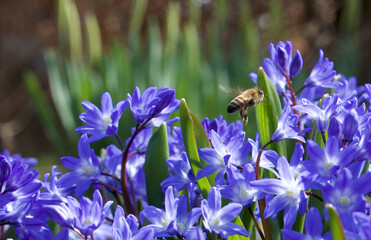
x: 326, y: 163
x: 182, y: 174
x: 221, y: 127
x: 185, y: 219
x: 53, y: 192
x: 29, y: 161
x: 162, y: 220
x: 218, y: 219
x: 289, y: 191
x: 322, y: 74
x: 281, y: 65
x: 104, y: 122
x: 154, y: 106
x: 85, y: 216
x: 268, y: 159
x: 221, y: 155
x: 347, y: 194
x: 196, y: 233
x: 313, y: 228
x: 19, y: 190
x: 287, y: 126
x: 362, y: 227
x: 175, y: 140
x: 281, y: 55
x: 174, y: 219
x: 321, y: 115
x: 239, y: 189
x: 346, y: 89
x: 85, y: 170
x: 127, y: 228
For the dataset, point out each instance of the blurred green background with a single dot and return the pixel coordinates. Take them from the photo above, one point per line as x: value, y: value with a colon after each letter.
x: 54, y: 54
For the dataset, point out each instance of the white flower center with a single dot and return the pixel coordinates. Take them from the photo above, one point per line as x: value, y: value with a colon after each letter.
x: 293, y: 193
x: 244, y: 194
x: 107, y: 120
x: 343, y: 201
x: 214, y: 222
x: 165, y: 222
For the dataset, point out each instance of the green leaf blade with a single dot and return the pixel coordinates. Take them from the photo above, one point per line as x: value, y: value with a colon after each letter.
x: 268, y: 113
x: 155, y: 166
x: 336, y: 226
x: 189, y: 138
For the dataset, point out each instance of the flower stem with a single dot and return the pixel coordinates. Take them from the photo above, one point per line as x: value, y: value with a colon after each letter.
x: 293, y: 96
x: 110, y: 175
x: 180, y: 236
x: 119, y: 141
x: 109, y: 186
x: 124, y: 185
x: 258, y: 159
x: 256, y: 224
x: 78, y: 233
x: 314, y: 195
x: 299, y: 90
x: 323, y: 137
x: 261, y: 202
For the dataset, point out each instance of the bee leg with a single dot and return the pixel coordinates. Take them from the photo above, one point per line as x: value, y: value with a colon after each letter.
x: 243, y: 115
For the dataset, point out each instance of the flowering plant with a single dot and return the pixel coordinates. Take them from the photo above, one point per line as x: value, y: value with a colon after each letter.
x: 204, y: 180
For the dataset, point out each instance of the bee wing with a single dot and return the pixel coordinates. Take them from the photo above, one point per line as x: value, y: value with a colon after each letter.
x: 230, y: 91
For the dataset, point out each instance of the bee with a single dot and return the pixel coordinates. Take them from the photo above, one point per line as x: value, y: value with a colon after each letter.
x: 244, y: 101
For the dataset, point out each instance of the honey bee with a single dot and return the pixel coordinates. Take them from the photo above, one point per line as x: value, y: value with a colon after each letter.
x: 244, y: 101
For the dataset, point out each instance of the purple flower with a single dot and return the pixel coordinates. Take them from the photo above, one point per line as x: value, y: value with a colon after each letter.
x: 104, y: 122
x: 325, y: 163
x: 184, y: 219
x: 182, y: 173
x: 221, y: 155
x: 221, y: 127
x: 321, y: 115
x: 161, y: 220
x: 239, y: 189
x: 86, y: 216
x: 281, y: 65
x: 268, y: 159
x: 289, y: 191
x: 346, y: 89
x: 127, y: 228
x: 347, y: 194
x: 322, y: 74
x: 154, y: 106
x: 53, y: 192
x: 281, y: 55
x: 175, y: 140
x: 19, y: 189
x: 287, y: 126
x: 174, y: 219
x: 278, y: 79
x: 85, y: 170
x: 30, y: 162
x: 313, y: 228
x: 350, y: 125
x: 218, y: 219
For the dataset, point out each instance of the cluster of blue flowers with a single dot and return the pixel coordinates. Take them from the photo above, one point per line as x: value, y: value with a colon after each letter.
x: 333, y: 170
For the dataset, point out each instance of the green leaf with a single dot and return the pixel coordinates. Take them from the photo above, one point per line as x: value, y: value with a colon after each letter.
x: 155, y: 166
x: 44, y: 110
x: 337, y: 230
x: 93, y: 38
x: 190, y: 144
x: 268, y: 113
x: 194, y: 135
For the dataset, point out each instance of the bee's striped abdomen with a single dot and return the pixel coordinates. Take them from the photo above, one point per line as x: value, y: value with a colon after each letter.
x: 236, y: 104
